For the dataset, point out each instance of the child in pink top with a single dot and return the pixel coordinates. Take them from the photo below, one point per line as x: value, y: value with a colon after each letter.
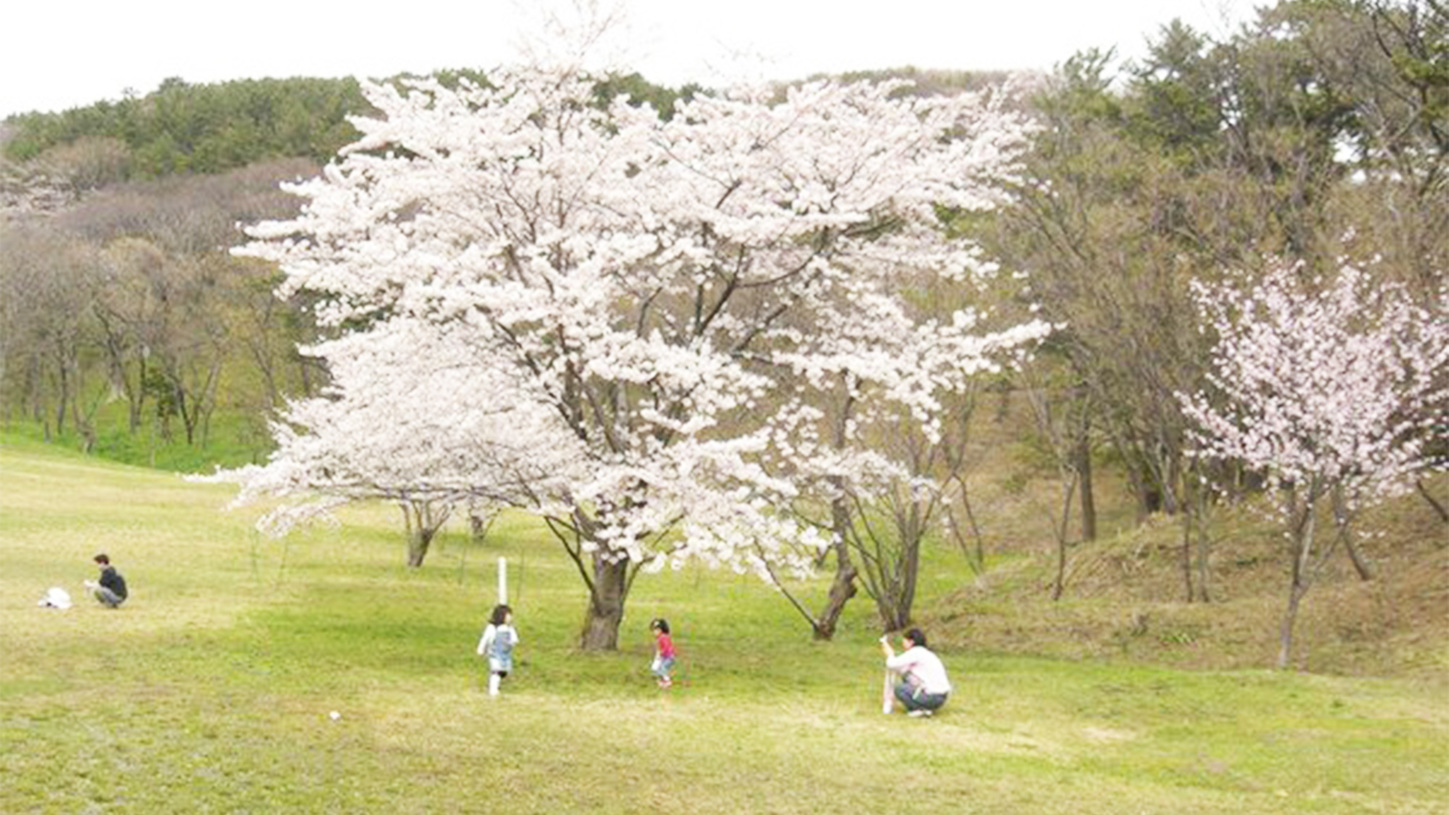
x: 663, y: 652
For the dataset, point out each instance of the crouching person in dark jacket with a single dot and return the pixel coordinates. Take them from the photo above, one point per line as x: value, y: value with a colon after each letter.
x: 110, y: 590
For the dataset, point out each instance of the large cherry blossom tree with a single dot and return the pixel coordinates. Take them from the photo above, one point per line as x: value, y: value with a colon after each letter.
x: 599, y: 314
x: 1329, y: 389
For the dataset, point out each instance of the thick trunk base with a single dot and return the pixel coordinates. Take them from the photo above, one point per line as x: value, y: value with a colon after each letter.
x: 606, y: 606
x: 418, y: 550
x: 841, y: 590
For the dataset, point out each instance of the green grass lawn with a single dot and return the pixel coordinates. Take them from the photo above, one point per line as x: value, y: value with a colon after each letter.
x: 210, y: 690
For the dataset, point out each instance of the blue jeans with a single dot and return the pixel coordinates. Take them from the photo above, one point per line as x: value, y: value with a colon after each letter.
x: 108, y: 597
x: 917, y: 699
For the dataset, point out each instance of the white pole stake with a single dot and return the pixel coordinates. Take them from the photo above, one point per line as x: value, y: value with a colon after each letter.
x: 887, y: 697
x: 502, y: 581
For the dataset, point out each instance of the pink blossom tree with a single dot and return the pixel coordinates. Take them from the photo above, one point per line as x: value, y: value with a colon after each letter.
x: 594, y: 313
x: 1330, y: 389
x: 874, y: 439
x: 397, y: 423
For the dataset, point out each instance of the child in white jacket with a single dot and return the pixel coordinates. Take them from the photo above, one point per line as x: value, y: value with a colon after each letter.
x: 497, y: 644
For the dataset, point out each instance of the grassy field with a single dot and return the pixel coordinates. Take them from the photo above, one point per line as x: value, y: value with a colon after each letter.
x: 210, y: 690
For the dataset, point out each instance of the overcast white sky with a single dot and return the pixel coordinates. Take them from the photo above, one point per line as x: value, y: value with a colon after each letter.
x: 59, y: 54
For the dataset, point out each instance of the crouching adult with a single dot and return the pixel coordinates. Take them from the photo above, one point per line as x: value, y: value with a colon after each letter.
x: 923, y: 687
x: 110, y: 590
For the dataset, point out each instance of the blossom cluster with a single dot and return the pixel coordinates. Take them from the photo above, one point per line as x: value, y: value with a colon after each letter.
x: 1322, y: 383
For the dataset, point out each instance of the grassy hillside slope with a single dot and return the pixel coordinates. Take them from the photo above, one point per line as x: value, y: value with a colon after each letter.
x: 1124, y: 594
x: 210, y: 690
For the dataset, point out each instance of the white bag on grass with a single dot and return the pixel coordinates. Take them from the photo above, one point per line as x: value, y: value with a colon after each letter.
x: 56, y: 597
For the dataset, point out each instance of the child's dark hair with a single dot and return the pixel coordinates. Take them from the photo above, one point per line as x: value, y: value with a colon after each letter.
x: 917, y: 636
x: 500, y: 614
x: 102, y: 559
x: 659, y: 624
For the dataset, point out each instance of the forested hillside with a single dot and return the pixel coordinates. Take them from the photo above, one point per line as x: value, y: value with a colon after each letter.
x: 195, y: 128
x: 131, y: 332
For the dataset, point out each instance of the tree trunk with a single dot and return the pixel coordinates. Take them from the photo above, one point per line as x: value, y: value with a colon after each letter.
x: 1344, y: 522
x: 1433, y: 502
x: 909, y: 574
x: 1303, y: 519
x: 1285, y: 636
x: 185, y: 410
x: 206, y: 401
x: 1186, y: 559
x: 842, y: 588
x: 1088, y: 501
x: 1059, y: 585
x: 1204, y: 548
x: 606, y: 604
x: 136, y: 399
x: 418, y: 542
x: 897, y: 594
x: 1360, y: 564
x: 304, y: 368
x: 975, y: 556
x: 1195, y: 539
x: 422, y: 520
x: 896, y: 618
x: 420, y: 535
x: 1146, y: 504
x: 478, y: 525
x: 64, y: 397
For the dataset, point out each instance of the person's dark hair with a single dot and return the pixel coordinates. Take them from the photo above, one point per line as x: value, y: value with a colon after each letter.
x: 103, y: 559
x: 916, y: 636
x: 500, y: 614
x: 659, y: 624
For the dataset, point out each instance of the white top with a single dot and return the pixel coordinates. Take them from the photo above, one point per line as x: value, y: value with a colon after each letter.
x: 924, y: 666
x: 494, y: 632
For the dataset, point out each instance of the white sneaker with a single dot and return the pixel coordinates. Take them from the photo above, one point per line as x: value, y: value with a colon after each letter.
x: 920, y: 713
